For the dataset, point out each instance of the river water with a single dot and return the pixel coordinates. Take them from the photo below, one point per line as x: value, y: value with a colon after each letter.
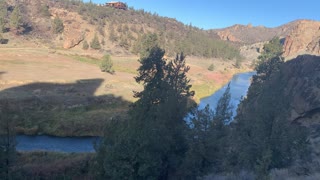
x: 58, y: 144
x: 238, y: 88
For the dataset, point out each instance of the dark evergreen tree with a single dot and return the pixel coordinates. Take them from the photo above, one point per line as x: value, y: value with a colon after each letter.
x: 16, y: 22
x: 145, y: 43
x: 7, y: 139
x: 3, y: 16
x: 57, y: 26
x: 85, y: 45
x: 263, y: 137
x: 152, y: 143
x: 95, y: 43
x: 223, y: 111
x: 208, y: 139
x: 271, y: 49
x: 198, y: 161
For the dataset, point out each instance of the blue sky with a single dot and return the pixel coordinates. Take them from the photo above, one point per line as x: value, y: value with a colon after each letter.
x: 209, y: 14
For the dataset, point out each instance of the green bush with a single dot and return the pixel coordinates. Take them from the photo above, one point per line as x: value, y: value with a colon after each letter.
x: 58, y: 26
x: 85, y: 45
x: 95, y: 44
x: 106, y: 64
x: 211, y: 67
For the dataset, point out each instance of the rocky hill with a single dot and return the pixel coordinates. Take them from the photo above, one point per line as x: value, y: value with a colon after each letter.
x: 304, y: 38
x: 248, y: 34
x: 118, y: 31
x: 122, y: 31
x: 299, y: 37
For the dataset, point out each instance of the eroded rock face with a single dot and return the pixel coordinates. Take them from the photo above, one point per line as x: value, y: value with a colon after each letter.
x: 73, y: 33
x: 303, y: 87
x: 228, y: 36
x: 304, y: 38
x: 249, y: 34
x: 295, y: 88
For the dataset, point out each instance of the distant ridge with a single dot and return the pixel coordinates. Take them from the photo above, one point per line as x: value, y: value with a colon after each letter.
x: 248, y: 34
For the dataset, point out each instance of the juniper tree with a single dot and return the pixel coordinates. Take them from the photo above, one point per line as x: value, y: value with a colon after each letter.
x: 16, y: 22
x: 3, y: 16
x: 263, y: 138
x: 152, y: 143
x: 57, y: 25
x: 208, y: 139
x: 95, y: 44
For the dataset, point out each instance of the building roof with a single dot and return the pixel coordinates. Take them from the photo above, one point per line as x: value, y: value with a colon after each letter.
x: 112, y: 2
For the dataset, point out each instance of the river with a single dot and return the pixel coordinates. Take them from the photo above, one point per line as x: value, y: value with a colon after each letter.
x: 238, y: 88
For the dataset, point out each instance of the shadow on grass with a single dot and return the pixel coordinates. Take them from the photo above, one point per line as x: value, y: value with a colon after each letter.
x: 69, y: 109
x: 1, y: 72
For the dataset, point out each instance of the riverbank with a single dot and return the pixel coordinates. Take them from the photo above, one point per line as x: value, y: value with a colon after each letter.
x: 238, y: 89
x: 64, y: 94
x: 52, y: 165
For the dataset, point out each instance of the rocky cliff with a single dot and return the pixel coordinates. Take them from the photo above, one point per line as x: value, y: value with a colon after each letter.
x: 302, y: 89
x: 249, y: 34
x: 302, y: 77
x: 291, y: 93
x: 298, y: 83
x: 300, y: 37
x: 304, y: 38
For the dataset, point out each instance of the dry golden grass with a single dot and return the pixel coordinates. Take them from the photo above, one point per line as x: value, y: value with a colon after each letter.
x: 26, y: 73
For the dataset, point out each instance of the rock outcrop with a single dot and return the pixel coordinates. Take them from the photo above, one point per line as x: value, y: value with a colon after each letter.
x: 291, y: 94
x: 249, y: 34
x: 298, y: 83
x: 73, y: 33
x: 304, y: 38
x: 303, y: 88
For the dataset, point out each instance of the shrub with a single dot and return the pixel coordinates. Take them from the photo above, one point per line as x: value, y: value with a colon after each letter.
x: 211, y: 67
x: 106, y: 64
x: 238, y: 63
x: 85, y: 45
x: 44, y: 10
x: 58, y: 26
x: 95, y: 44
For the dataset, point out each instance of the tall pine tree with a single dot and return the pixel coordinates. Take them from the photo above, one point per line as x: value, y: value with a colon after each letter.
x: 152, y: 143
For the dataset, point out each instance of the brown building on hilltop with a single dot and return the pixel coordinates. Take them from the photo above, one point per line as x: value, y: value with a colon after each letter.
x: 117, y: 4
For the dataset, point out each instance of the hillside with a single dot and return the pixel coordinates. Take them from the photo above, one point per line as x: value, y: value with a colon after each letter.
x: 120, y: 32
x: 248, y: 34
x: 299, y: 37
x: 303, y: 39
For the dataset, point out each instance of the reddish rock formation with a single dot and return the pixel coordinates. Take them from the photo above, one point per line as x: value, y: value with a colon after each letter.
x: 304, y: 38
x: 227, y: 36
x: 249, y: 34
